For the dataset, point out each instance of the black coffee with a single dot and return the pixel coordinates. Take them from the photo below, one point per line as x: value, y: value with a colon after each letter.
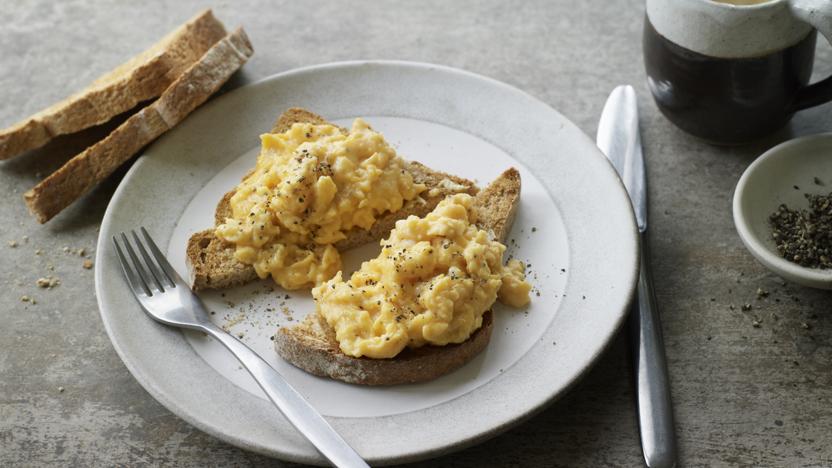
x: 726, y: 100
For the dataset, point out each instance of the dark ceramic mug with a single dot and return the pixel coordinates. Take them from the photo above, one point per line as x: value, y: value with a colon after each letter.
x: 732, y: 71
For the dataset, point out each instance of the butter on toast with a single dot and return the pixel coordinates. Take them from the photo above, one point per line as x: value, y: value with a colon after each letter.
x: 211, y: 262
x: 312, y: 346
x: 143, y: 77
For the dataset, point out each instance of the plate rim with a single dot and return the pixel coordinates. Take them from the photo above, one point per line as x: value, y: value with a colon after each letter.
x: 630, y: 278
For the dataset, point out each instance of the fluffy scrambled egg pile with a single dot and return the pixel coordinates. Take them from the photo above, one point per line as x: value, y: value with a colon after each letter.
x: 311, y: 185
x: 433, y: 281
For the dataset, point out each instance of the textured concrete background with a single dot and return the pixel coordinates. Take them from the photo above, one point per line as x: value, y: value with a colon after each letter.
x: 743, y: 395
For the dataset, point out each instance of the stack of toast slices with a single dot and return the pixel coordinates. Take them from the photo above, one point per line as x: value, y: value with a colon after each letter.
x: 178, y: 74
x: 311, y: 345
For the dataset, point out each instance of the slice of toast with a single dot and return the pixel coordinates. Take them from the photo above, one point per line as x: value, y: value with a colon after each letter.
x: 143, y: 77
x: 193, y: 87
x: 211, y: 261
x: 312, y: 346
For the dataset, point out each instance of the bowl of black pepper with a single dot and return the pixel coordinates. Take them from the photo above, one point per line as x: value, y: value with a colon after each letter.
x: 783, y: 210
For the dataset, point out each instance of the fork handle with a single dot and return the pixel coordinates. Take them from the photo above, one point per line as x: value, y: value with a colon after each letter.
x: 294, y: 407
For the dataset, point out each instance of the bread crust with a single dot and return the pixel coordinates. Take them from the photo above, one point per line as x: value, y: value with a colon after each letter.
x: 193, y: 87
x: 141, y: 78
x: 312, y: 346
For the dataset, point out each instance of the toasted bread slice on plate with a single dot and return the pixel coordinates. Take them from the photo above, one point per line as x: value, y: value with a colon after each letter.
x: 312, y: 346
x: 143, y: 77
x: 211, y: 262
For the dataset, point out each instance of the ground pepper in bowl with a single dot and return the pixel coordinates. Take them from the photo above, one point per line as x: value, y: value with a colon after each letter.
x: 805, y: 236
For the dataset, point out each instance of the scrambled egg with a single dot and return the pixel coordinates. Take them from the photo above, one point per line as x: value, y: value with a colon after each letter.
x: 311, y: 185
x: 433, y: 281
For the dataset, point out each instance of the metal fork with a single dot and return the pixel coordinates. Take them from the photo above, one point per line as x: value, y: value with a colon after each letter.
x: 168, y: 299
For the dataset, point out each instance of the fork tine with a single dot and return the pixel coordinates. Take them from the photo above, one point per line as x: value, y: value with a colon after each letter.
x: 136, y: 263
x: 155, y: 273
x: 171, y: 274
x: 136, y: 283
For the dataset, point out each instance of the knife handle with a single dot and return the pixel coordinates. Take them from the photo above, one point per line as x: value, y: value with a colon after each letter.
x: 655, y: 413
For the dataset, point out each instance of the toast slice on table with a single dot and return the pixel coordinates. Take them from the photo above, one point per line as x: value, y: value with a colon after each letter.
x: 312, y: 346
x: 211, y: 262
x: 143, y: 77
x: 193, y: 87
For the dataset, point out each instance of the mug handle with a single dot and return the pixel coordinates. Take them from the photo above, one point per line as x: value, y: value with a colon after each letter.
x: 817, y: 13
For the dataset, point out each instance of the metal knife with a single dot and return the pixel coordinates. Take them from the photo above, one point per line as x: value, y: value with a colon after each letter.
x: 618, y: 137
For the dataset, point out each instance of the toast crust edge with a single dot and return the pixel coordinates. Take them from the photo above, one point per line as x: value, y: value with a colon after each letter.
x: 324, y: 359
x: 142, y: 77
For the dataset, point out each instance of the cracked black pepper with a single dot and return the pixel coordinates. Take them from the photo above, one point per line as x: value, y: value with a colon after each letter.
x: 805, y: 236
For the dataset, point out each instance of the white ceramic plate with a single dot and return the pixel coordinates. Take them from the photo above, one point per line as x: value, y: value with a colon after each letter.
x: 575, y: 227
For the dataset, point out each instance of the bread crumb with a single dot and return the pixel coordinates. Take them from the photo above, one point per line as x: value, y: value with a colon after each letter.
x: 87, y: 264
x: 12, y: 243
x: 60, y: 389
x: 66, y: 249
x: 25, y: 239
x: 82, y: 251
x: 25, y: 298
x: 38, y: 252
x: 232, y: 322
x: 48, y: 282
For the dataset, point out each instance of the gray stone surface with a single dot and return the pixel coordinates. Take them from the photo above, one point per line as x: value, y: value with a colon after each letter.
x: 743, y: 395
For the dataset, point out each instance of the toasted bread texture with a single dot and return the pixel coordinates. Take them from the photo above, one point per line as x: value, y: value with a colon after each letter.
x: 193, y: 87
x: 211, y: 261
x: 141, y: 78
x: 312, y: 346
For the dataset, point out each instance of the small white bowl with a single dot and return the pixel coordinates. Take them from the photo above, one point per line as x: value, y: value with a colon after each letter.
x: 770, y: 181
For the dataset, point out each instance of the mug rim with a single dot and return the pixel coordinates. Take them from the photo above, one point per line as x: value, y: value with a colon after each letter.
x: 725, y: 30
x: 731, y: 6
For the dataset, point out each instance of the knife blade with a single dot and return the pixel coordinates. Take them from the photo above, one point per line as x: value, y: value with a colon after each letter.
x: 619, y: 139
